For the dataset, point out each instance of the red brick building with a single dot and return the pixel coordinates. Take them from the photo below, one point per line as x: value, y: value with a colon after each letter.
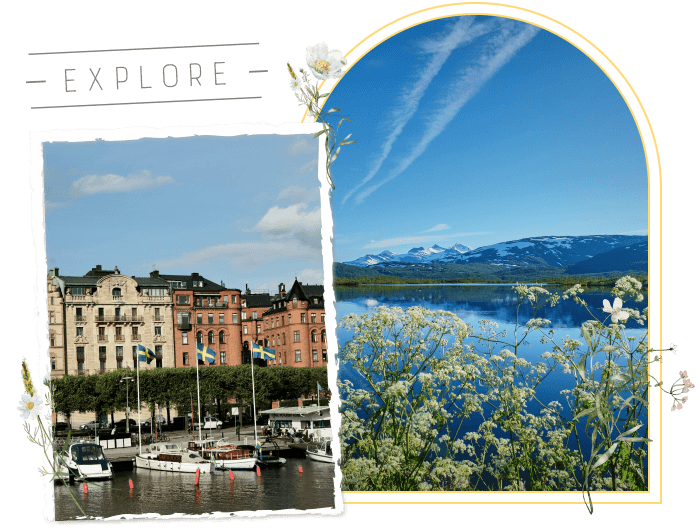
x: 295, y: 326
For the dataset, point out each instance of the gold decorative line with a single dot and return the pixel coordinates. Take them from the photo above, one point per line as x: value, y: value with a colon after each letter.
x: 147, y: 102
x: 145, y: 49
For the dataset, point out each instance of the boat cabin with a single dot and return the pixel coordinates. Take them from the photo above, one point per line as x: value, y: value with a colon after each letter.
x: 313, y: 420
x: 218, y: 449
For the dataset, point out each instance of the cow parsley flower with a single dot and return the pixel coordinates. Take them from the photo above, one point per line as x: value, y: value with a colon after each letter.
x: 615, y: 311
x: 29, y: 406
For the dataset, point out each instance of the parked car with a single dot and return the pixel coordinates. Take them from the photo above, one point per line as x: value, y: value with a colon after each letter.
x: 160, y: 420
x: 95, y: 424
x: 121, y: 424
x: 211, y: 422
x: 59, y: 427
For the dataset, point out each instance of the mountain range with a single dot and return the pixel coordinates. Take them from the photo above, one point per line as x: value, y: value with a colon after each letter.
x: 561, y: 255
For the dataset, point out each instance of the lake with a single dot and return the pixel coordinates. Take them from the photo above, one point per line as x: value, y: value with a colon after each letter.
x: 473, y: 303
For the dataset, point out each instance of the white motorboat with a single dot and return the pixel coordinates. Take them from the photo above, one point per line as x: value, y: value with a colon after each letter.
x: 224, y: 455
x: 84, y: 461
x: 320, y: 453
x: 164, y: 456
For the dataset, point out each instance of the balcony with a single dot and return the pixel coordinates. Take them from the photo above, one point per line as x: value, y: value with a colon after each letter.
x: 160, y: 298
x: 184, y: 326
x: 200, y: 304
x: 137, y: 319
x: 119, y: 338
x: 118, y: 298
x: 157, y: 317
x: 136, y: 337
x: 102, y: 338
x: 80, y: 319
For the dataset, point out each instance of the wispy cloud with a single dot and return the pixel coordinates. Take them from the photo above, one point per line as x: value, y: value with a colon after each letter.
x: 463, y: 31
x: 418, y: 239
x: 311, y: 166
x: 300, y: 195
x: 284, y: 221
x: 498, y: 51
x: 114, y: 183
x: 439, y: 227
x: 302, y: 145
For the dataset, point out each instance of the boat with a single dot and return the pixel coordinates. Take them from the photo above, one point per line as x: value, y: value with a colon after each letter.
x: 321, y: 452
x: 84, y: 461
x: 224, y: 455
x: 165, y: 456
x: 269, y: 455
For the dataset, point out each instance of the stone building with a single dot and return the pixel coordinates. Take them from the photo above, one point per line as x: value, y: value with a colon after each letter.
x: 97, y: 321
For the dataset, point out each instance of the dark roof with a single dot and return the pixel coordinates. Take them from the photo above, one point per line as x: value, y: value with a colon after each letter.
x: 209, y: 286
x: 304, y: 292
x: 79, y: 281
x: 257, y: 300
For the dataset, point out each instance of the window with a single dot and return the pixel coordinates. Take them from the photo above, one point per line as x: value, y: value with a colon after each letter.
x: 116, y: 292
x: 245, y: 329
x: 78, y: 331
x: 199, y: 337
x: 221, y: 318
x: 53, y: 363
x: 222, y: 337
x: 296, y: 336
x: 53, y: 339
x: 315, y: 300
x: 243, y: 303
x: 185, y: 358
x: 77, y: 291
x: 133, y: 353
x: 183, y: 299
x: 117, y: 313
x: 135, y: 313
x: 267, y: 326
x: 278, y: 339
x: 277, y: 322
x: 199, y: 318
x: 210, y: 318
x: 222, y: 356
x: 156, y: 330
x: 103, y: 352
x: 184, y: 338
x: 80, y: 354
x: 303, y: 318
x: 290, y: 318
x: 51, y: 300
x: 210, y: 338
x: 324, y: 356
x: 156, y: 313
x: 226, y: 299
x: 52, y: 318
x: 313, y: 318
x: 243, y: 316
x: 159, y: 356
x: 78, y: 314
x: 297, y: 356
x: 323, y: 318
x: 120, y: 364
x: 134, y: 332
x: 234, y: 318
x: 314, y: 355
x: 81, y: 368
x: 323, y: 336
x: 120, y: 352
x: 257, y: 328
x: 255, y: 314
x: 284, y: 339
x: 294, y: 302
x: 233, y: 299
x: 101, y: 314
x: 313, y: 336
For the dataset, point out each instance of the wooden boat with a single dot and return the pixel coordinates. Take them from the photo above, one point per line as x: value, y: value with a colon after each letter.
x: 84, y: 461
x: 165, y: 456
x: 320, y: 453
x: 269, y: 455
x: 224, y: 455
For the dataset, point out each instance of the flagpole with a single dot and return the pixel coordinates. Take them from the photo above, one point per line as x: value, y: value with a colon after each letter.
x: 196, y: 351
x: 252, y: 376
x: 138, y: 392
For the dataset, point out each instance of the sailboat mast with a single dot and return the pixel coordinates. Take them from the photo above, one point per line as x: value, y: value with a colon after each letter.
x: 138, y: 394
x: 252, y: 375
x: 199, y: 405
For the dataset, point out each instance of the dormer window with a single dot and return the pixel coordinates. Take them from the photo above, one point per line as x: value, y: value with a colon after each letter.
x: 116, y: 292
x: 294, y: 302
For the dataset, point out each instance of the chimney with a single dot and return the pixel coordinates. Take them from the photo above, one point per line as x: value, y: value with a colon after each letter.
x: 53, y: 272
x: 98, y: 267
x: 282, y: 289
x: 154, y: 274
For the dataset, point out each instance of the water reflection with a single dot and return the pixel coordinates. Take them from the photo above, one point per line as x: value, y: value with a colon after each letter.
x: 277, y: 488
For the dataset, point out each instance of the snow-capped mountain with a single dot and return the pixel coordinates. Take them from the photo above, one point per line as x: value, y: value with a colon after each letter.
x: 417, y: 254
x: 545, y: 251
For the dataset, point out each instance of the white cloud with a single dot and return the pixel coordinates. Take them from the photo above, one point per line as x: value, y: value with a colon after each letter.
x: 499, y: 50
x: 302, y: 145
x: 113, y: 183
x: 419, y: 239
x: 244, y: 255
x: 462, y: 31
x: 311, y: 276
x: 311, y: 166
x: 293, y: 220
x: 300, y: 195
x: 439, y: 227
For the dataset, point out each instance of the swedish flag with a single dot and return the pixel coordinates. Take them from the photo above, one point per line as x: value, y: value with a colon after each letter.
x: 262, y: 352
x: 205, y: 353
x: 145, y: 354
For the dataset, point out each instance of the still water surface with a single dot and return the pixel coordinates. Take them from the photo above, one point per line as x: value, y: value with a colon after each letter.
x: 278, y: 488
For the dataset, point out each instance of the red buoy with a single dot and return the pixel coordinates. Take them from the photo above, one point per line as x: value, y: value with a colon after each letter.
x: 85, y: 487
x: 131, y: 484
x: 300, y: 469
x: 257, y: 469
x: 230, y: 474
x: 196, y: 478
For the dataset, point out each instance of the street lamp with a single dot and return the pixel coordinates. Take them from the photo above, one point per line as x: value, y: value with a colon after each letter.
x: 127, y: 378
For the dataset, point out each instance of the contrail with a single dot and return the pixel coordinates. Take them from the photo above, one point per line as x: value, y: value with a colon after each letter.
x: 501, y: 49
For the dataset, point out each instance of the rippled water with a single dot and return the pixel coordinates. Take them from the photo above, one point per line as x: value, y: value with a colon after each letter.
x: 165, y: 493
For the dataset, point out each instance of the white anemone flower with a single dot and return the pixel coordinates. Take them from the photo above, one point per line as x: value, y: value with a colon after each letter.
x: 325, y: 64
x: 295, y: 84
x: 29, y: 406
x: 615, y: 311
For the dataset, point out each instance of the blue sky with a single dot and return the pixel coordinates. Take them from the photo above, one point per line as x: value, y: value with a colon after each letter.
x: 242, y: 209
x: 478, y: 130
